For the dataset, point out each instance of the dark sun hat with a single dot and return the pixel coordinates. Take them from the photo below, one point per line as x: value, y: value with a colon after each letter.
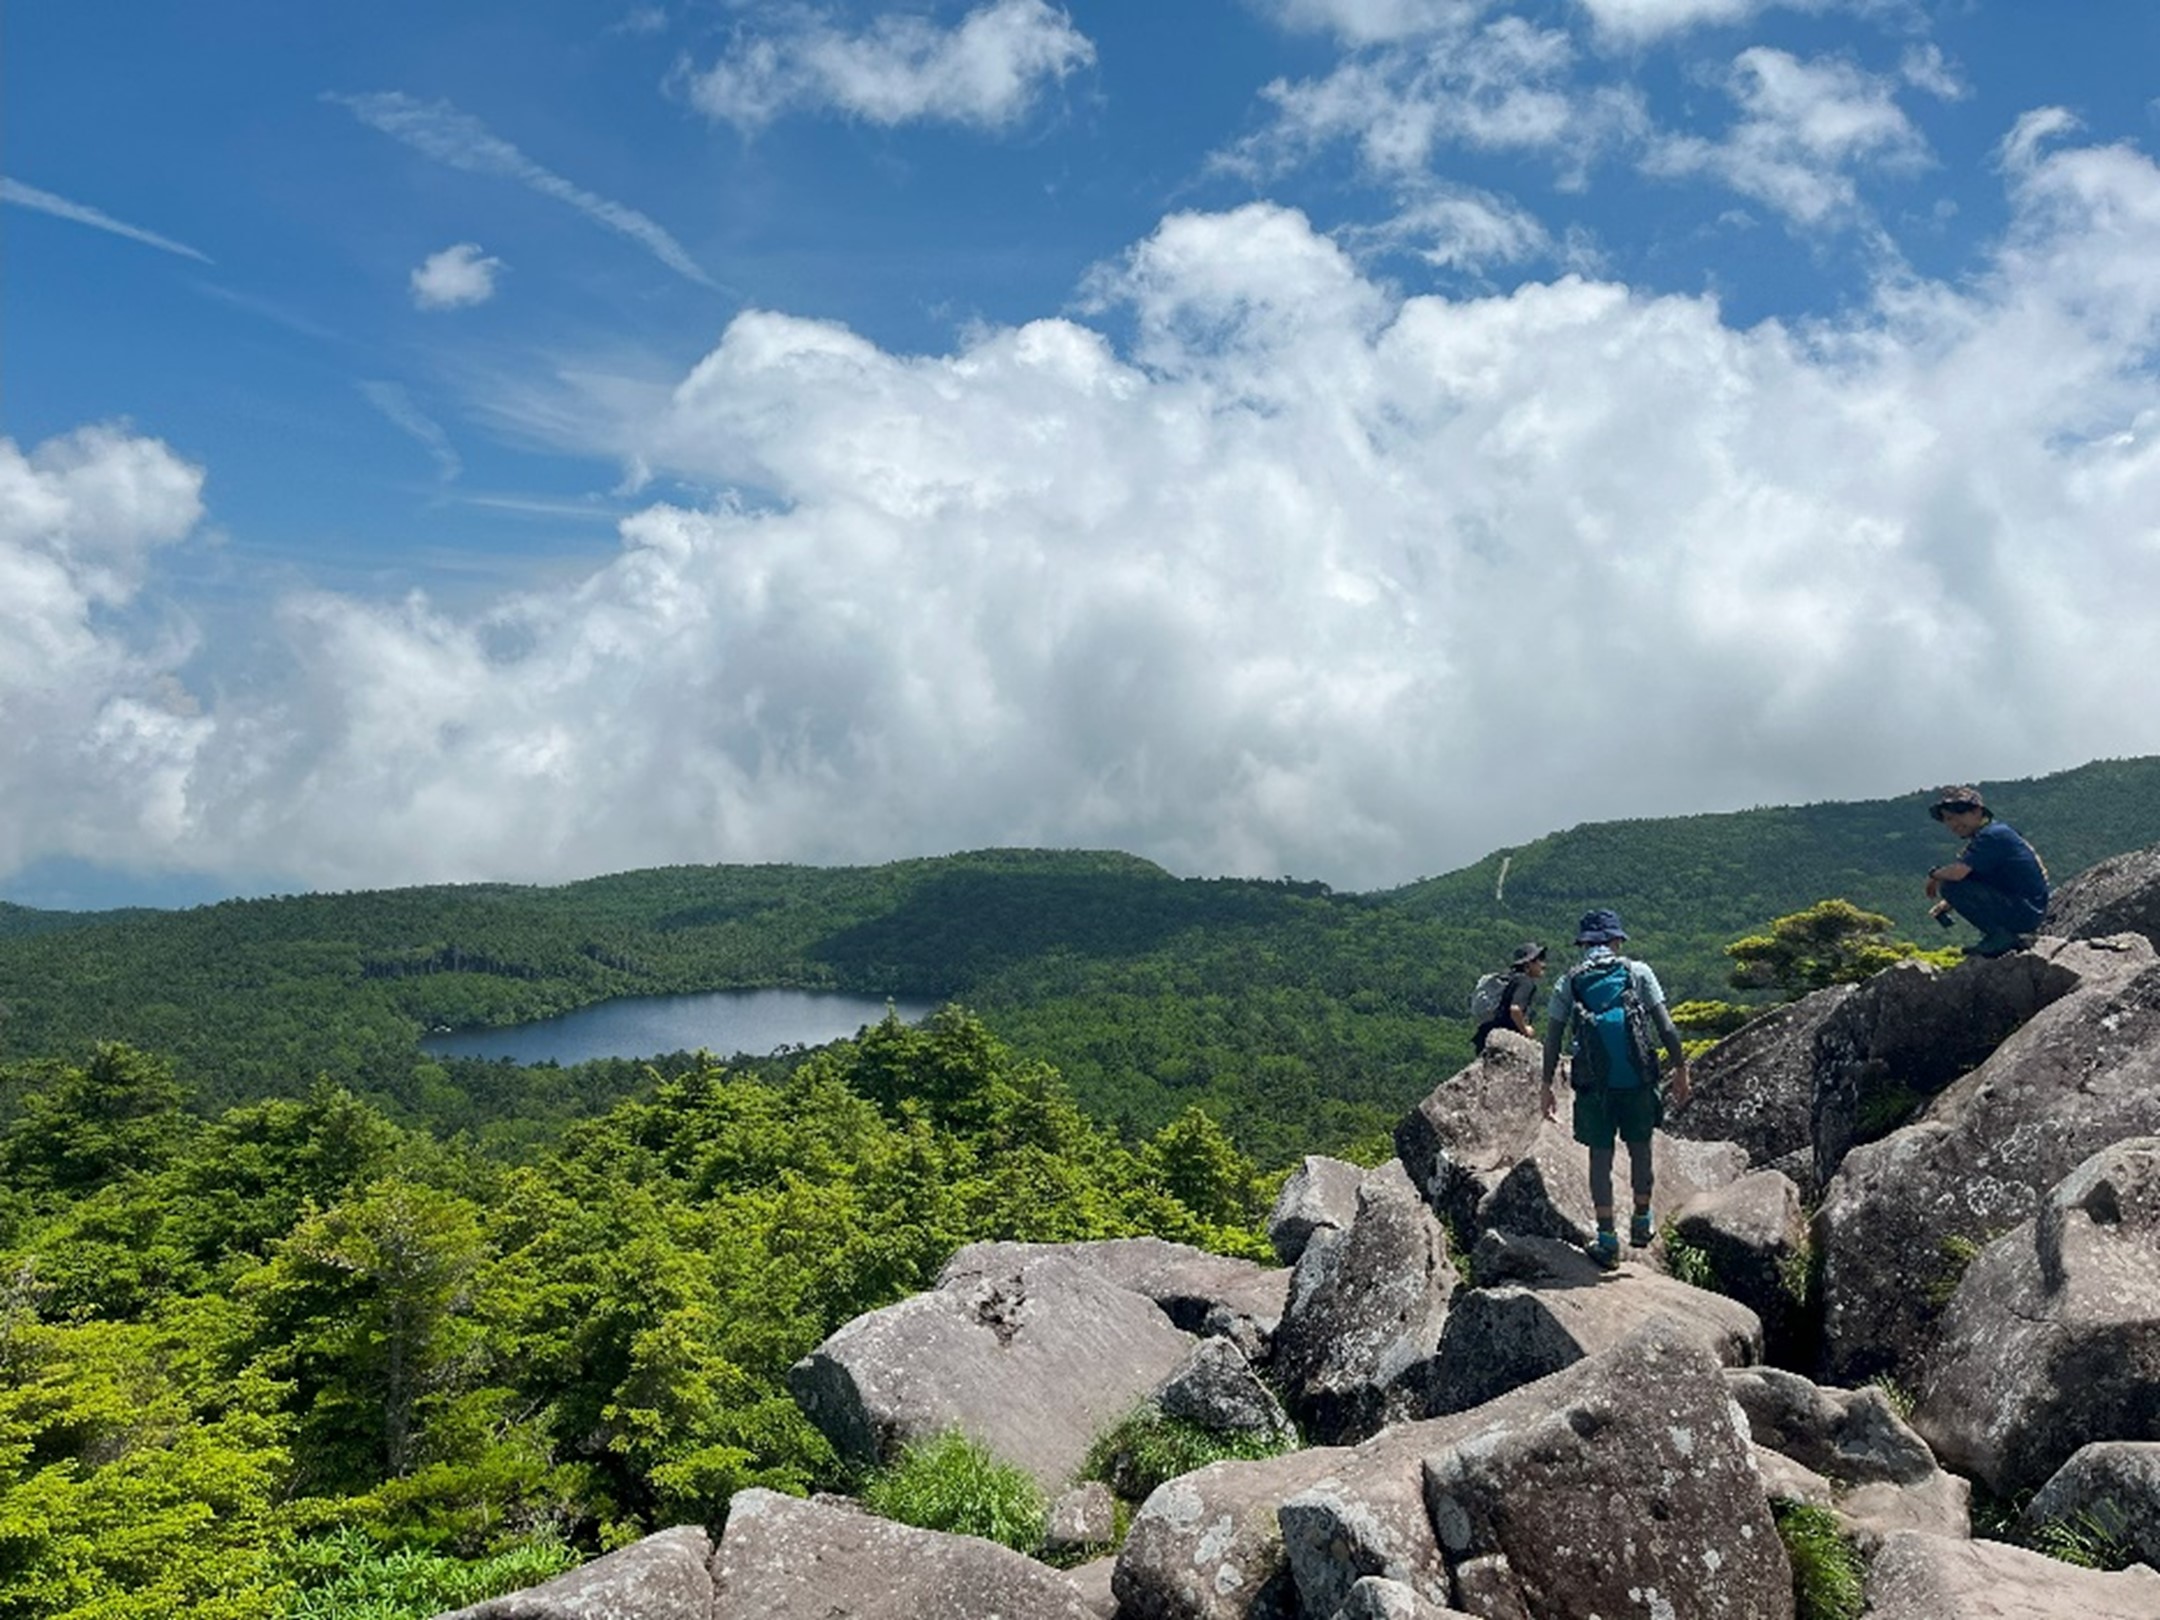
x: 1600, y: 927
x: 1952, y: 799
x: 1526, y: 953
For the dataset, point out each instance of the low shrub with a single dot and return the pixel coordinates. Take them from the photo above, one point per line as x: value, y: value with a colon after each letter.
x: 348, y: 1576
x: 1829, y: 1575
x: 1149, y: 1447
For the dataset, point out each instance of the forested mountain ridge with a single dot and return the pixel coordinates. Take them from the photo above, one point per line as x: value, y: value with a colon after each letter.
x: 1305, y: 1018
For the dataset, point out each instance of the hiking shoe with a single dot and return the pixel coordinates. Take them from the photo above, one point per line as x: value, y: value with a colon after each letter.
x: 1998, y: 943
x: 1640, y: 1231
x: 1606, y: 1250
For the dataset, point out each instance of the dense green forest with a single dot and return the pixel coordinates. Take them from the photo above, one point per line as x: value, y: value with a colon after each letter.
x: 293, y: 1361
x: 1307, y: 1018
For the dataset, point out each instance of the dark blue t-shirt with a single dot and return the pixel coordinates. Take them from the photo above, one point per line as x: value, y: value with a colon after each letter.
x: 2002, y: 860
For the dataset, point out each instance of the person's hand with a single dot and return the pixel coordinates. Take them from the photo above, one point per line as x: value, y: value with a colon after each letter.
x: 1552, y: 1103
x: 1934, y: 888
x: 1681, y: 1089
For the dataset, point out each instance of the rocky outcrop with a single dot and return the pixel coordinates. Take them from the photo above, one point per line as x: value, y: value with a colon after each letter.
x: 1363, y: 1323
x: 1321, y: 1193
x: 1923, y: 1577
x: 667, y: 1576
x: 1757, y: 1086
x: 2052, y: 1340
x: 1754, y: 1236
x: 978, y: 1354
x: 1642, y: 1440
x: 1546, y: 1191
x: 1912, y: 1030
x: 1503, y: 1336
x: 2112, y: 1486
x: 1903, y: 1213
x: 2119, y: 896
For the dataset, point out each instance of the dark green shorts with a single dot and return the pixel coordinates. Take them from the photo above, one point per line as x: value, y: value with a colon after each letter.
x: 1630, y: 1112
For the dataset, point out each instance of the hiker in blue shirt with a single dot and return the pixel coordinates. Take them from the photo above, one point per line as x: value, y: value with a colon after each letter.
x: 1997, y: 884
x: 1612, y: 1004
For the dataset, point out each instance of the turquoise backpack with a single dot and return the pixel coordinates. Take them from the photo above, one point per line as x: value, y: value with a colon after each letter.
x: 1612, y: 1028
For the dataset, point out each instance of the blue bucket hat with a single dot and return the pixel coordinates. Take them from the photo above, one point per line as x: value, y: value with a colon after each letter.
x: 1600, y: 927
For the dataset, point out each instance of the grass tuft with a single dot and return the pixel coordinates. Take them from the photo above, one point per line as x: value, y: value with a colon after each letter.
x: 1829, y: 1575
x: 1689, y: 1262
x: 1147, y: 1448
x: 955, y: 1485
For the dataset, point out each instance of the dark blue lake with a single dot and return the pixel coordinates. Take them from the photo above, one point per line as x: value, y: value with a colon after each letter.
x: 723, y: 1022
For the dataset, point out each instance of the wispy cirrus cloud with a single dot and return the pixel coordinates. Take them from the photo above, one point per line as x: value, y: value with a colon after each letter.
x: 399, y: 410
x: 22, y: 196
x: 439, y: 131
x: 983, y: 72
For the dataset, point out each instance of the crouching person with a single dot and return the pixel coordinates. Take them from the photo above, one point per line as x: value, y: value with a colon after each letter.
x: 1611, y: 1007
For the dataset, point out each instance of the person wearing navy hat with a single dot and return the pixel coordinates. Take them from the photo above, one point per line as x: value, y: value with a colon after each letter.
x: 1997, y: 883
x: 1613, y: 1006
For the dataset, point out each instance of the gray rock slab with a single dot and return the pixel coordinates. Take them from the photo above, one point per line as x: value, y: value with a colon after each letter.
x: 1754, y: 1234
x: 1366, y: 1309
x: 1206, y: 1545
x: 1032, y: 1363
x: 1464, y: 1135
x: 1216, y: 1388
x: 2114, y: 1484
x: 1756, y: 1087
x: 1338, y: 1531
x: 666, y: 1576
x: 1320, y: 1192
x: 786, y: 1559
x: 1901, y: 1214
x: 1083, y: 1517
x: 2119, y: 896
x: 1503, y: 1337
x: 1092, y: 1580
x: 1376, y: 1599
x: 1188, y: 1284
x: 1635, y: 1494
x: 2052, y: 1340
x: 1923, y: 1577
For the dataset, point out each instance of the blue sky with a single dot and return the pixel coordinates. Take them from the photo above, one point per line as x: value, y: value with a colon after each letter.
x: 1327, y: 436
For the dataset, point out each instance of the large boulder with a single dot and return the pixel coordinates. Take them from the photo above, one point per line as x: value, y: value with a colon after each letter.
x: 1032, y: 1362
x: 1903, y: 1214
x: 1757, y: 1086
x: 1923, y: 1577
x: 1753, y: 1234
x: 1508, y: 1334
x: 2112, y: 1486
x: 1848, y: 1451
x: 1320, y: 1193
x: 1374, y: 1598
x: 2052, y: 1339
x: 782, y: 1558
x: 1462, y: 1138
x: 1546, y: 1191
x: 1366, y: 1308
x: 2119, y: 896
x: 1215, y: 1388
x: 1191, y: 1286
x: 1214, y: 1545
x: 1633, y: 1493
x: 666, y: 1576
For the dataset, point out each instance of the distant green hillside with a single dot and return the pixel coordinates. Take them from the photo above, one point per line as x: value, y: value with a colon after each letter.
x: 1304, y: 1019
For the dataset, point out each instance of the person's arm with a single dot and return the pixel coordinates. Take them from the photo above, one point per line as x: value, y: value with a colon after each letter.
x: 1951, y: 872
x: 1557, y: 1013
x: 1518, y: 1007
x: 1653, y: 995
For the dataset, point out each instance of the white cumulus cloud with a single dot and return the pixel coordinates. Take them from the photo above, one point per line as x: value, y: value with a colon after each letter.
x: 1806, y: 128
x: 102, y: 739
x: 985, y: 71
x: 456, y: 278
x: 1308, y: 577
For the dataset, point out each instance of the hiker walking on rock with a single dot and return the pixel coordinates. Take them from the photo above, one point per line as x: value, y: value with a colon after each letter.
x: 1612, y: 1004
x: 1511, y: 994
x: 1997, y: 884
